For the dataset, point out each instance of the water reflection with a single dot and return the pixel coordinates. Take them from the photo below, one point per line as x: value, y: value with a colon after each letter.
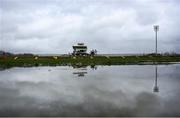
x: 80, y: 74
x: 3, y: 68
x: 156, y: 88
x: 81, y: 71
x: 107, y: 91
x: 93, y: 67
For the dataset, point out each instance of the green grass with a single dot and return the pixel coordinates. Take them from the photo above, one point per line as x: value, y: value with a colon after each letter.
x: 96, y: 60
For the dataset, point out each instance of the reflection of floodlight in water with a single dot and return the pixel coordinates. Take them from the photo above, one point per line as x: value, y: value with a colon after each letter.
x: 156, y: 88
x: 156, y: 29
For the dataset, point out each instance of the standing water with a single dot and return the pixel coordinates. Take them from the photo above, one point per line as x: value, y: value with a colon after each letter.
x: 127, y: 90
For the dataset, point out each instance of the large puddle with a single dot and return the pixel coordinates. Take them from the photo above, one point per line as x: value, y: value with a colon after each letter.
x: 128, y: 90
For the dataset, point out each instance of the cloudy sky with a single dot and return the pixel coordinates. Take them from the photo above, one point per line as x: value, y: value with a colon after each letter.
x: 110, y: 26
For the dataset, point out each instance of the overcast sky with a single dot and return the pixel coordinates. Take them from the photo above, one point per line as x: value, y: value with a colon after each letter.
x: 110, y: 26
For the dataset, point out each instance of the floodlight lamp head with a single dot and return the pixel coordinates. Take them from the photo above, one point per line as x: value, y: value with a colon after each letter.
x: 156, y: 28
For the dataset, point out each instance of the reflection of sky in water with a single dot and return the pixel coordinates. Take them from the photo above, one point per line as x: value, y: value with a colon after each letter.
x: 107, y: 91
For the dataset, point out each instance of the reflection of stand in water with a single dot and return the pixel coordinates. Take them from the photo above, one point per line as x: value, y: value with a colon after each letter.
x: 156, y: 88
x: 80, y: 74
x: 82, y: 70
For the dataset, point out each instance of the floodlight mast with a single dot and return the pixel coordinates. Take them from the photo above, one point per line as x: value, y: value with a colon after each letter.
x: 156, y: 29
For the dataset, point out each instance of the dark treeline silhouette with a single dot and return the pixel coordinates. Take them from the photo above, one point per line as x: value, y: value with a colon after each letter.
x: 3, y: 53
x: 92, y: 53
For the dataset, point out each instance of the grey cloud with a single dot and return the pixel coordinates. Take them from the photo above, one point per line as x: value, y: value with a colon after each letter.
x: 116, y: 26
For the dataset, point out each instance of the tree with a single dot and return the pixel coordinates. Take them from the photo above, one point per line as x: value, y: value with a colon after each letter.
x: 93, y: 52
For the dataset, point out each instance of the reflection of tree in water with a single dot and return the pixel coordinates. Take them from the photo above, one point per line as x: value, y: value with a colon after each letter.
x: 1, y: 69
x: 4, y: 68
x: 93, y: 67
x: 80, y: 71
x: 156, y: 88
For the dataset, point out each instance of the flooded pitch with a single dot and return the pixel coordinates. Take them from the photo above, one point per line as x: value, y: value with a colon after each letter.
x: 128, y: 90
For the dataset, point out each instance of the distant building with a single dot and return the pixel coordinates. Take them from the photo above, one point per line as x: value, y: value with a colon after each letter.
x: 80, y: 49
